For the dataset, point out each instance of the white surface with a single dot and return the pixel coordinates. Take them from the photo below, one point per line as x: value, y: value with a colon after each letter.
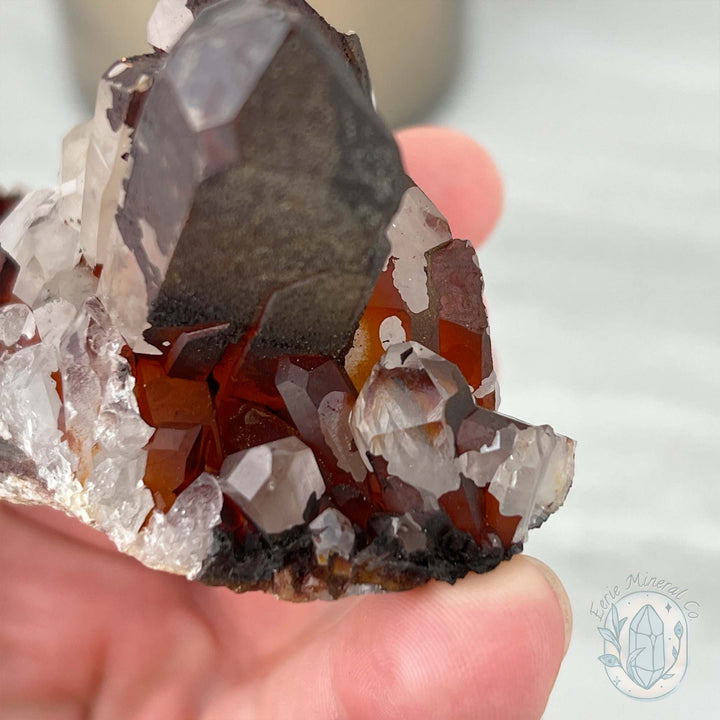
x: 602, y: 280
x: 602, y: 284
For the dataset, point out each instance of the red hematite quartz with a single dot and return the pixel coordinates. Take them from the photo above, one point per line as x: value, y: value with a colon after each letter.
x: 253, y: 353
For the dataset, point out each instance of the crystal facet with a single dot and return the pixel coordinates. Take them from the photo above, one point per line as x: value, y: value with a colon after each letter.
x: 407, y: 413
x: 240, y: 341
x: 273, y: 483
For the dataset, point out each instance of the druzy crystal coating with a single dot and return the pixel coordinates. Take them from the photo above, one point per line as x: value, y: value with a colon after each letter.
x: 239, y: 340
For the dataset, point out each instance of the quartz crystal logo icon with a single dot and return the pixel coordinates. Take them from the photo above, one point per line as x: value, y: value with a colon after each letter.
x: 645, y: 640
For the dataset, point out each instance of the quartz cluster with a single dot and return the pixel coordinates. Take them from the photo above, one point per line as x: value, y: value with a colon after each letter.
x: 239, y: 340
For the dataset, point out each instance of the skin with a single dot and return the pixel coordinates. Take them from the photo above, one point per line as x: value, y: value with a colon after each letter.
x: 86, y: 632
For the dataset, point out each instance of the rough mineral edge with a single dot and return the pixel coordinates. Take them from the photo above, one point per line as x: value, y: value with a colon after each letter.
x: 35, y: 205
x: 113, y: 497
x: 417, y: 231
x: 180, y: 540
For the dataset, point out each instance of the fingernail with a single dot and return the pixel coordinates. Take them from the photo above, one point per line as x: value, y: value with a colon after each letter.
x: 560, y: 593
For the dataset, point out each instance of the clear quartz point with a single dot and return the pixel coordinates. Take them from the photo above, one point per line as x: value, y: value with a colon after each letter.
x: 406, y: 413
x: 257, y: 478
x: 178, y: 541
x: 332, y: 533
x: 416, y: 412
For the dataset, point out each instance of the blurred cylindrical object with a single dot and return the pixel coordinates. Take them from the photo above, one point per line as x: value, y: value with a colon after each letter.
x: 412, y: 46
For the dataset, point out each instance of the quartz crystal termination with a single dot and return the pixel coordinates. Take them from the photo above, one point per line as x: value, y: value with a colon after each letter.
x: 278, y: 114
x: 241, y: 342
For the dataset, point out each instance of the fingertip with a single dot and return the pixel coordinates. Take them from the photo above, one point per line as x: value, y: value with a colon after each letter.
x: 561, y: 596
x: 493, y: 640
x: 458, y: 175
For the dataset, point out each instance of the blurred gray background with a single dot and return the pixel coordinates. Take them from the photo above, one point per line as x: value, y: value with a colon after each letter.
x: 602, y: 277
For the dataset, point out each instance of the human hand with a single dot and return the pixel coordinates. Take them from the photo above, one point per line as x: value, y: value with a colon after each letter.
x: 86, y: 632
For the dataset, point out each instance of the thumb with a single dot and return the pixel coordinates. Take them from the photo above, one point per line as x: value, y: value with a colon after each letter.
x: 490, y: 647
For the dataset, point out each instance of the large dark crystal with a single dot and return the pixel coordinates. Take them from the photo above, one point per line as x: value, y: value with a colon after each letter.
x: 272, y: 181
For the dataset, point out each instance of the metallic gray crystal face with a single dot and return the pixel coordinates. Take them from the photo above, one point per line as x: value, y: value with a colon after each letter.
x: 273, y: 483
x: 254, y: 135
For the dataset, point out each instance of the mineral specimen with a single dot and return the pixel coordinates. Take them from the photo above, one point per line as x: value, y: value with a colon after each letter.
x: 241, y: 342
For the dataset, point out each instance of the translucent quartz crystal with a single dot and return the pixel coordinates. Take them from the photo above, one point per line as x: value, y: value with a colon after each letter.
x: 72, y: 173
x: 431, y: 291
x: 178, y: 541
x: 528, y: 470
x: 17, y: 324
x: 35, y: 461
x: 242, y: 343
x: 101, y: 412
x: 170, y: 19
x: 319, y: 401
x: 405, y: 414
x: 416, y: 420
x: 121, y: 93
x: 39, y: 239
x: 417, y: 227
x: 332, y: 533
x: 334, y: 416
x: 273, y: 483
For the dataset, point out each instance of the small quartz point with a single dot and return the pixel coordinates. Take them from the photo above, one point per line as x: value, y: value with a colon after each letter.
x: 416, y: 420
x: 241, y: 342
x: 332, y: 534
x: 431, y: 291
x: 273, y: 483
x: 406, y: 414
x: 170, y: 19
